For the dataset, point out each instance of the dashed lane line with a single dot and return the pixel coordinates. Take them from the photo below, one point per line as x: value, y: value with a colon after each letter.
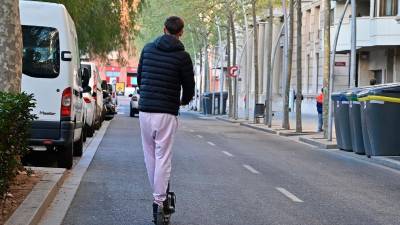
x: 210, y: 143
x: 199, y: 136
x: 191, y: 131
x: 227, y: 153
x: 251, y: 169
x: 291, y: 196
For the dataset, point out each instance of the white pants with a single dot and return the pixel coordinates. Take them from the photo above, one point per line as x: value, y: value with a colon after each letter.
x: 158, y: 131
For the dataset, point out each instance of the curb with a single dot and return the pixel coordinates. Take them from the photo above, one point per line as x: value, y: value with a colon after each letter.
x: 43, y: 193
x: 318, y: 142
x: 294, y: 134
x: 228, y: 120
x: 268, y: 130
x: 386, y: 161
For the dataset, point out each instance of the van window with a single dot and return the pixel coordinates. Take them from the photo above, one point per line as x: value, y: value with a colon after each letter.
x: 41, y: 52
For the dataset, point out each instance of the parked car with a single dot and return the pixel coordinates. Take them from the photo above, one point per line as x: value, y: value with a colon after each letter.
x: 51, y: 71
x: 89, y: 105
x: 134, y: 104
x: 97, y: 92
x: 109, y: 106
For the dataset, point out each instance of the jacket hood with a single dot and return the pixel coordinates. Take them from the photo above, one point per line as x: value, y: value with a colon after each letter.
x: 169, y: 43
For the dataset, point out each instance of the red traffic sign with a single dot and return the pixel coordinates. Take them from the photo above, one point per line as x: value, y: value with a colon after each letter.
x: 232, y: 71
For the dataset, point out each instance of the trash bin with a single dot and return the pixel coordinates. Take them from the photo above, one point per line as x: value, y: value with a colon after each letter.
x: 217, y: 102
x: 342, y: 123
x: 363, y: 117
x: 355, y: 120
x: 382, y: 105
x: 207, y: 103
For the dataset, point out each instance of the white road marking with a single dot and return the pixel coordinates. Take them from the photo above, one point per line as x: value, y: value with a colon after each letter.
x: 192, y: 131
x: 199, y: 136
x: 227, y: 153
x: 251, y: 169
x: 288, y: 194
x: 210, y: 143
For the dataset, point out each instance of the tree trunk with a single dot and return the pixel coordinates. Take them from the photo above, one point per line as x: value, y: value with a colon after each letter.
x: 270, y: 36
x: 299, y: 94
x: 289, y: 36
x: 228, y: 78
x: 327, y: 51
x: 256, y: 70
x: 206, y: 69
x: 201, y: 81
x: 10, y: 47
x: 234, y: 53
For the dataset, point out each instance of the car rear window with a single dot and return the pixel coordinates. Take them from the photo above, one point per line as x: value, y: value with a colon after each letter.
x: 41, y: 52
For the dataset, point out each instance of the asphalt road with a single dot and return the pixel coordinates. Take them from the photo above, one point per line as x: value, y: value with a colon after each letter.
x: 226, y: 174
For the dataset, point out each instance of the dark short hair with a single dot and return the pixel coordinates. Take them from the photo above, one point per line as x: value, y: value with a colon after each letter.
x: 174, y: 24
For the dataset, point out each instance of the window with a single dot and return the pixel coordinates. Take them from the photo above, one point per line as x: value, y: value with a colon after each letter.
x: 317, y: 71
x: 317, y: 22
x: 378, y: 76
x: 308, y: 24
x: 387, y: 7
x: 41, y: 52
x: 332, y: 18
x: 309, y: 80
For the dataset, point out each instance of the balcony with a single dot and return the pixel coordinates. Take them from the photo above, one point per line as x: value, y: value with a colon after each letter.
x: 376, y: 31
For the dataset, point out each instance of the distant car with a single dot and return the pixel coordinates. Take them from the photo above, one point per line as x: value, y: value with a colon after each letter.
x: 109, y: 106
x: 89, y: 104
x: 134, y: 109
x: 95, y: 83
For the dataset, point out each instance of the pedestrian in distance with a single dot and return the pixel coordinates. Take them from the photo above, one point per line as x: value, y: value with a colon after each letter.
x: 166, y: 82
x: 320, y: 102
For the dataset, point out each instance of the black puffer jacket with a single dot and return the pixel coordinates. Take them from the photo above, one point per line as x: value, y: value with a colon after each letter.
x: 164, y: 68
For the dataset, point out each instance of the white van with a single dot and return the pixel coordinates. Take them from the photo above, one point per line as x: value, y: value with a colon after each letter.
x: 51, y: 71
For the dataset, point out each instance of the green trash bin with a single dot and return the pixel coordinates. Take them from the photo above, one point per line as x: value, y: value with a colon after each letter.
x: 357, y: 141
x: 382, y: 105
x: 342, y: 123
x: 363, y: 117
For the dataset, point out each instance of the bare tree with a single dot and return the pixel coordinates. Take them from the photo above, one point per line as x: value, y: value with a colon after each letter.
x: 289, y: 41
x: 256, y: 66
x: 299, y: 95
x: 270, y: 35
x: 228, y: 64
x: 327, y: 50
x: 10, y: 47
x: 234, y: 53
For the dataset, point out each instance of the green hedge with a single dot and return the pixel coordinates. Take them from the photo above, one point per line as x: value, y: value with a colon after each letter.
x: 15, y: 120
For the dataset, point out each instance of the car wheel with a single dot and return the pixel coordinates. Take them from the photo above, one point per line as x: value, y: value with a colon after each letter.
x: 90, y: 131
x: 85, y: 131
x: 132, y: 113
x: 78, y: 146
x: 65, y: 156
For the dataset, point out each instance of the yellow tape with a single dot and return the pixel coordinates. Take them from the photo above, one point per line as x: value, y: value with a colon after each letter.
x: 379, y: 98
